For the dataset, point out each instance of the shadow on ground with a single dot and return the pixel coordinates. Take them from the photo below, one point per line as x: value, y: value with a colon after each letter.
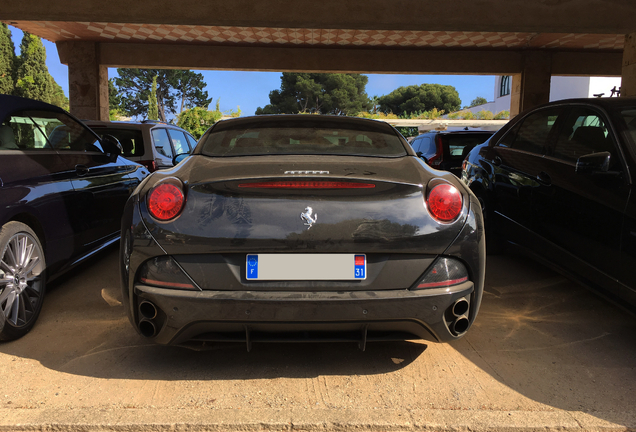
x: 540, y: 342
x: 552, y: 340
x: 83, y: 330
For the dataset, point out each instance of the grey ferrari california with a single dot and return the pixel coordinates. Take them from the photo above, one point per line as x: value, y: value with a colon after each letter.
x: 302, y: 228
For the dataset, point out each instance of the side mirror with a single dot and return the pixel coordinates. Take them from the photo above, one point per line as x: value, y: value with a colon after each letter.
x: 178, y: 158
x: 593, y: 163
x: 111, y: 145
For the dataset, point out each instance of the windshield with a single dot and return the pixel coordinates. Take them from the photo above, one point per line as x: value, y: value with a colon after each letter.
x: 306, y: 136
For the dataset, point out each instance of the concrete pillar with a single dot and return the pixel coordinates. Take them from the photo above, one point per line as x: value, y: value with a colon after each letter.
x: 88, y: 80
x: 628, y: 81
x: 531, y: 87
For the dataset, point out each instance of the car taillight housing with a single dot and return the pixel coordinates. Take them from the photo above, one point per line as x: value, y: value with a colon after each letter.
x: 150, y: 164
x: 444, y: 273
x: 444, y: 202
x: 165, y: 201
x: 437, y: 158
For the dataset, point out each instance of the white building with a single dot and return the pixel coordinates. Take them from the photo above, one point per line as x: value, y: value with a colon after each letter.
x: 561, y: 87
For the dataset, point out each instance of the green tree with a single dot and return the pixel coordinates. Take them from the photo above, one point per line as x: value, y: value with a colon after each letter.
x: 477, y: 101
x: 153, y: 109
x: 32, y: 76
x: 57, y: 95
x: 7, y: 61
x: 189, y: 87
x: 134, y: 87
x: 338, y: 94
x: 425, y: 97
x: 115, y: 109
x: 198, y: 119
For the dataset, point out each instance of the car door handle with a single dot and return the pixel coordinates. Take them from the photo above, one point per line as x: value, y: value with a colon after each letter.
x: 81, y: 170
x: 544, y: 178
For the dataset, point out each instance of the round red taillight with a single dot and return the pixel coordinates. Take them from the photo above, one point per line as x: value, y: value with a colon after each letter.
x: 165, y: 201
x: 445, y: 202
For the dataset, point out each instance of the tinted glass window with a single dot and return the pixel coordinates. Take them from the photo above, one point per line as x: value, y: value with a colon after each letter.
x: 629, y: 116
x: 306, y: 136
x: 532, y: 135
x: 460, y: 144
x: 19, y: 132
x: 131, y: 139
x: 584, y: 132
x: 179, y: 142
x: 27, y: 130
x: 416, y: 144
x: 162, y: 142
x: 191, y: 141
x: 428, y: 146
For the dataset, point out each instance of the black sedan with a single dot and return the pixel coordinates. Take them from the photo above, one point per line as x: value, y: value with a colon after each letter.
x: 62, y: 194
x: 557, y: 181
x: 302, y: 228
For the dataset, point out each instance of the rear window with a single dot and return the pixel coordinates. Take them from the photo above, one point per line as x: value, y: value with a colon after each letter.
x: 298, y: 137
x: 460, y: 144
x: 131, y: 139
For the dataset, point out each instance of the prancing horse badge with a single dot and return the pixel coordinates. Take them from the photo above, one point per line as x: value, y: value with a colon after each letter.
x: 306, y: 217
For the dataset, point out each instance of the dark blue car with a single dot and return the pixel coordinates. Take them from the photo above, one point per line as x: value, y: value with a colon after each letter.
x: 62, y: 194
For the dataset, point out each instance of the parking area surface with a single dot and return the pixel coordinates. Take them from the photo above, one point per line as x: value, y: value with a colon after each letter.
x: 544, y: 354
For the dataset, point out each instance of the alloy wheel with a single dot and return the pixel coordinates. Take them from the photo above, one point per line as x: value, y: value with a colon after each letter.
x: 21, y: 279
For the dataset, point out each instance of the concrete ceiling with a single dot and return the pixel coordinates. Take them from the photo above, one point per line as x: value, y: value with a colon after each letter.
x: 312, y: 37
x: 386, y: 36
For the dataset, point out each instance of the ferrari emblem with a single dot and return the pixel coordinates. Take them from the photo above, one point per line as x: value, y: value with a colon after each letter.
x: 306, y: 217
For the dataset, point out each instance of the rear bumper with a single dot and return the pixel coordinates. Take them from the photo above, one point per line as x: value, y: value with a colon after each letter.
x: 245, y: 316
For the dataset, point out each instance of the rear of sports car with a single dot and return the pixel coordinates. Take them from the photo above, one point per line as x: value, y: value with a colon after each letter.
x: 302, y: 228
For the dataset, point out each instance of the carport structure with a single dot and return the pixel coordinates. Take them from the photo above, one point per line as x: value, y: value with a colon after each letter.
x: 530, y: 40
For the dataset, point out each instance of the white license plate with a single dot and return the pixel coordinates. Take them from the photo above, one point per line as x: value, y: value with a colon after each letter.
x: 306, y: 267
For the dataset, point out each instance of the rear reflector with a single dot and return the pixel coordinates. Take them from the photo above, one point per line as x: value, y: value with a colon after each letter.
x: 307, y: 185
x: 446, y: 272
x: 164, y: 272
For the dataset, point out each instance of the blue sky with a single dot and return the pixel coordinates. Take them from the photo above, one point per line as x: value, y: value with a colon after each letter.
x: 250, y: 90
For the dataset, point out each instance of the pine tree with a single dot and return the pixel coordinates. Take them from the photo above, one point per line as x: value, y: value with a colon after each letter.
x: 7, y: 61
x: 153, y: 109
x: 32, y: 77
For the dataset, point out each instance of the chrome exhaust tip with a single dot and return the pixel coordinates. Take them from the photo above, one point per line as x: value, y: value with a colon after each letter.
x: 147, y: 310
x: 147, y: 328
x: 460, y: 307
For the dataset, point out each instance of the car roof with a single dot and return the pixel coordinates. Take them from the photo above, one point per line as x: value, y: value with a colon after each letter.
x: 129, y: 124
x: 606, y: 102
x: 302, y: 120
x: 462, y: 131
x: 12, y: 103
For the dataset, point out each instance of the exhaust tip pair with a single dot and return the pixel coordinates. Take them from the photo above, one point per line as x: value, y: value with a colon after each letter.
x: 459, y: 321
x: 147, y: 313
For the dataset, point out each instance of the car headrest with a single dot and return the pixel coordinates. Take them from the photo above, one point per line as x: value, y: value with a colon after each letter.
x: 7, y: 138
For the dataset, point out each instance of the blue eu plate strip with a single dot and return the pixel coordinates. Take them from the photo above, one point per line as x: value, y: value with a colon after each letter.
x: 252, y: 267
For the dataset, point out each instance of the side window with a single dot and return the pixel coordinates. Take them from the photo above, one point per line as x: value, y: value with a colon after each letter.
x: 191, y: 141
x: 533, y: 134
x: 179, y: 142
x: 162, y: 142
x: 584, y: 132
x: 19, y: 132
x: 46, y: 130
x: 427, y: 145
x: 416, y: 144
